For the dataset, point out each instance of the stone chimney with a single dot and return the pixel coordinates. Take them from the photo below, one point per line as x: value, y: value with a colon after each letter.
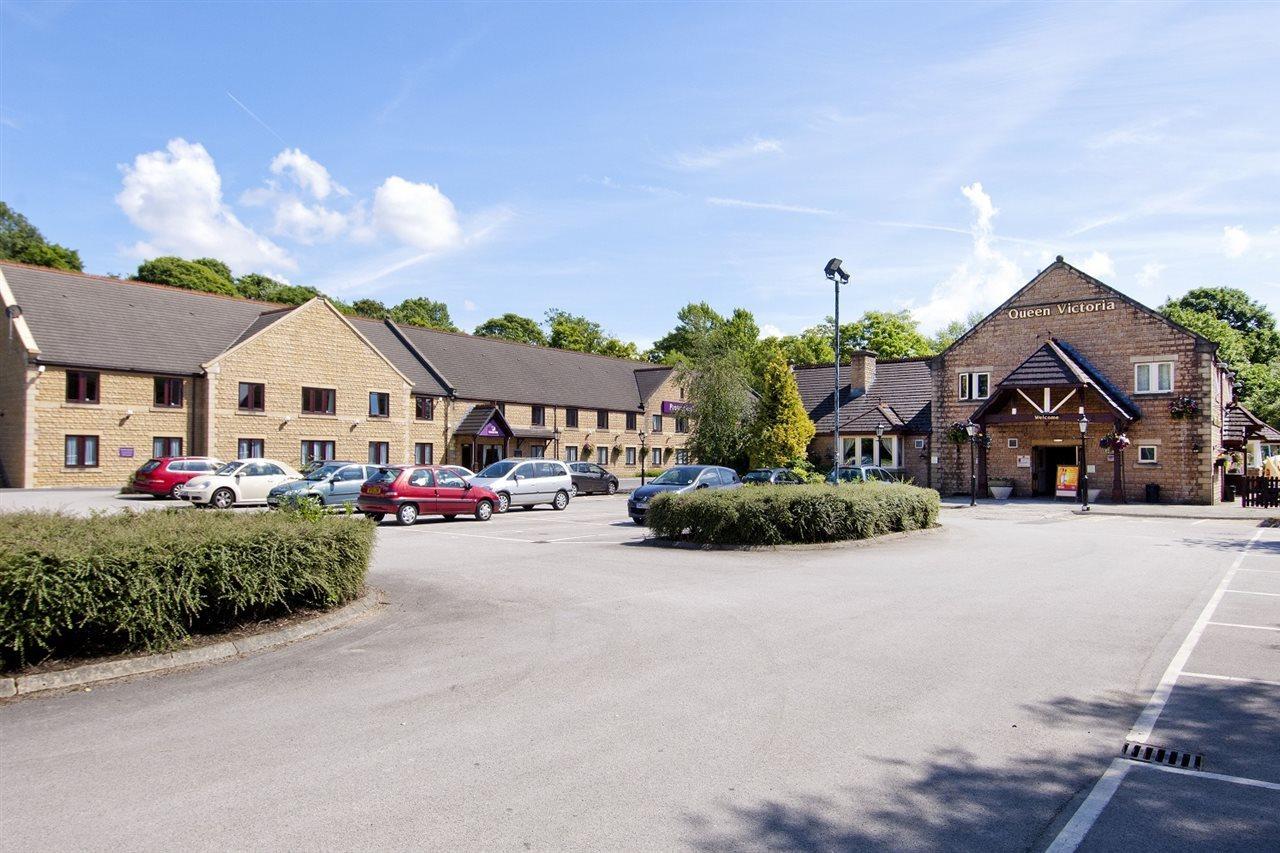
x: 862, y: 369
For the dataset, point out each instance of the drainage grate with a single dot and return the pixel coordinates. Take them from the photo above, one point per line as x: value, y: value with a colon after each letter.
x: 1153, y: 754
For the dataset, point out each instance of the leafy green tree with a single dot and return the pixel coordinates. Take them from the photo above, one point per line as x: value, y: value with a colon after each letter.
x: 781, y: 430
x: 693, y: 323
x: 217, y: 267
x: 22, y: 242
x: 1231, y: 345
x: 513, y: 327
x: 620, y: 349
x: 950, y: 333
x: 1228, y: 304
x: 177, y: 272
x: 257, y: 286
x: 371, y: 308
x: 577, y: 333
x: 420, y: 311
x: 1261, y: 390
x: 890, y: 335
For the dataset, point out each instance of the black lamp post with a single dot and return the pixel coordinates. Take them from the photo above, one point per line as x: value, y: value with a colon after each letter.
x: 1084, y: 464
x: 643, y: 455
x: 879, y: 435
x: 835, y: 272
x: 972, y: 429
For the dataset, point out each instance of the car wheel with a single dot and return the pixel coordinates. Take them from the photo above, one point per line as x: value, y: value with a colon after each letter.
x: 504, y: 502
x: 561, y: 500
x: 613, y: 487
x: 375, y: 517
x: 573, y: 490
x: 407, y: 514
x: 223, y: 499
x: 484, y: 511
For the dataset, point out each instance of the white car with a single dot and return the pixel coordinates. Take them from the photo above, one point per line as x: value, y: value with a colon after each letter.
x: 244, y: 481
x: 527, y: 482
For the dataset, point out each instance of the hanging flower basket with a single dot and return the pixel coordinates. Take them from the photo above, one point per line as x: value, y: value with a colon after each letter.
x: 1114, y: 441
x: 958, y: 433
x: 1184, y: 407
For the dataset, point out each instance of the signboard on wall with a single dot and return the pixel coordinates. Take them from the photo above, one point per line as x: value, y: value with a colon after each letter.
x: 1024, y: 461
x: 490, y: 429
x: 675, y: 407
x: 1068, y: 479
x: 126, y: 452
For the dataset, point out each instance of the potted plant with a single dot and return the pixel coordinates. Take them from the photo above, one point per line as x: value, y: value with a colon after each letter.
x: 1001, y: 487
x: 1184, y: 406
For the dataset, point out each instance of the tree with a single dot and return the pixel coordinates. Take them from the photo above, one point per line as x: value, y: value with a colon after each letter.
x: 371, y: 308
x: 577, y: 333
x: 217, y: 267
x: 693, y: 323
x: 21, y: 241
x: 177, y: 272
x: 513, y: 327
x: 950, y: 333
x: 1261, y: 391
x: 620, y: 349
x: 420, y: 311
x: 890, y: 335
x: 257, y: 286
x: 720, y: 401
x: 781, y: 430
x: 1231, y: 345
x: 808, y: 347
x: 1228, y: 304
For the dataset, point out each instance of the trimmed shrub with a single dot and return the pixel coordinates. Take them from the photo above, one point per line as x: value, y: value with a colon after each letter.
x: 146, y: 581
x: 778, y: 515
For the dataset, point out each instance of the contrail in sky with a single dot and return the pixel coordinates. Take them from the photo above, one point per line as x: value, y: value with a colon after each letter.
x: 254, y: 116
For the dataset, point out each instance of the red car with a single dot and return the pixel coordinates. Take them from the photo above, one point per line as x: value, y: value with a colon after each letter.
x: 159, y: 477
x: 418, y: 490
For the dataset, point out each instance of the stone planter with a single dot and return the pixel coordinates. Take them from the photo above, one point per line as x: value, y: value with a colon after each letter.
x: 1001, y: 493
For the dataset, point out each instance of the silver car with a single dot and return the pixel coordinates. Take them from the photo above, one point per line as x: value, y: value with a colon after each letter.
x: 331, y: 484
x: 527, y: 482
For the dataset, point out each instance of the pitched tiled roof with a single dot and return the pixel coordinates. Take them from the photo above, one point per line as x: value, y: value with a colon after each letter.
x: 649, y: 378
x: 406, y: 358
x: 900, y: 397
x: 1240, y: 425
x: 91, y: 321
x: 1057, y: 364
x: 264, y: 320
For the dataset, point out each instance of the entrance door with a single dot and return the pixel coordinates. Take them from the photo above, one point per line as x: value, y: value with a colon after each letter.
x: 492, y: 453
x: 1044, y: 467
x: 466, y: 458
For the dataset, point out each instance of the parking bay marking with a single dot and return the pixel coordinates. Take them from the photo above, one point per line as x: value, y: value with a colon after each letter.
x: 1230, y: 678
x: 1251, y: 592
x: 1241, y: 625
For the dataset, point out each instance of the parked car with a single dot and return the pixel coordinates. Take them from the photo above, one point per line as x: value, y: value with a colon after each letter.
x: 162, y: 476
x: 464, y: 473
x: 418, y: 490
x: 774, y: 476
x: 591, y: 479
x: 861, y: 474
x: 244, y: 481
x: 527, y: 483
x: 331, y: 484
x: 681, y: 478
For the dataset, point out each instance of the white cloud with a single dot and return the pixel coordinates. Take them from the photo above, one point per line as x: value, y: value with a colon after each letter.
x: 1150, y: 274
x: 765, y: 205
x: 468, y: 305
x: 416, y: 214
x: 1099, y: 265
x: 711, y: 158
x: 175, y: 196
x: 768, y: 330
x: 307, y: 223
x: 306, y: 173
x: 1235, y: 241
x: 982, y: 280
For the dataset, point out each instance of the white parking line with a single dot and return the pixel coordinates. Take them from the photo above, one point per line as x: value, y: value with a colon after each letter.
x: 1240, y: 625
x: 1105, y: 788
x: 483, y: 536
x: 1263, y: 571
x: 1219, y: 777
x: 583, y: 536
x: 1230, y: 678
x: 1251, y: 592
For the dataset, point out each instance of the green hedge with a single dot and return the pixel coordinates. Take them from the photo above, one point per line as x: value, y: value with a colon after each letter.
x: 146, y: 581
x: 777, y: 515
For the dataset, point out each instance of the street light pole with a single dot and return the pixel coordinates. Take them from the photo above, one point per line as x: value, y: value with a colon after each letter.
x: 643, y: 455
x: 835, y: 272
x: 1084, y: 463
x: 972, y: 429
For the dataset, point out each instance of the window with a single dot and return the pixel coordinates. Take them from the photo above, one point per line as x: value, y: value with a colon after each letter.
x: 656, y: 456
x: 920, y: 443
x: 261, y: 469
x: 537, y: 451
x: 571, y: 417
x: 525, y: 470
x: 163, y: 446
x: 682, y: 423
x: 318, y: 401
x: 602, y: 456
x: 1148, y: 454
x: 682, y: 457
x: 1152, y: 377
x: 975, y: 386
x: 82, y: 451
x: 449, y: 480
x: 868, y: 450
x: 631, y: 457
x: 316, y: 451
x: 538, y: 416
x: 168, y: 392
x: 602, y: 419
x: 351, y: 473
x: 657, y: 423
x: 571, y: 453
x: 82, y: 387
x: 424, y: 408
x: 1013, y: 444
x: 379, y: 404
x: 424, y: 454
x: 250, y: 448
x: 252, y: 396
x: 379, y: 452
x: 549, y: 469
x: 631, y: 421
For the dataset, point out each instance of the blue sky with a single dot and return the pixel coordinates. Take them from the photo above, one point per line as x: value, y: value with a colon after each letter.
x: 621, y: 160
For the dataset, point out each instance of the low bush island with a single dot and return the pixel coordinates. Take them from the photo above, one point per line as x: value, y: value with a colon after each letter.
x: 777, y: 515
x: 147, y: 581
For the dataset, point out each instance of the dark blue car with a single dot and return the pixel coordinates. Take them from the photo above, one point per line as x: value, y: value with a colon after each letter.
x: 682, y: 478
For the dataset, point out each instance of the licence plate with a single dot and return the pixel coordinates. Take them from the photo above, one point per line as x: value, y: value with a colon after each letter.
x: 373, y: 490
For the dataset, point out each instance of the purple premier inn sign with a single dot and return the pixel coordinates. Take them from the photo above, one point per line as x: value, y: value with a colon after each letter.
x: 490, y: 428
x: 671, y: 407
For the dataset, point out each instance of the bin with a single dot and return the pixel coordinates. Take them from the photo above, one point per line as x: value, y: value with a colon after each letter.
x: 1153, y: 493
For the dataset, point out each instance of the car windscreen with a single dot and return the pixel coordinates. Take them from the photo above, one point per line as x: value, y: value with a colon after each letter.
x: 149, y: 466
x: 497, y: 469
x: 676, y: 477
x: 324, y: 472
x: 229, y: 469
x: 758, y: 477
x: 385, y: 475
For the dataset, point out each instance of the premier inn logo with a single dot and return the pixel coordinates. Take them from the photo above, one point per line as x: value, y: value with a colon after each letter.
x: 1062, y: 308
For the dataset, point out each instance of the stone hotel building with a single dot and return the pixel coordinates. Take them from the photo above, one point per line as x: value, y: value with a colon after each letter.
x: 98, y: 374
